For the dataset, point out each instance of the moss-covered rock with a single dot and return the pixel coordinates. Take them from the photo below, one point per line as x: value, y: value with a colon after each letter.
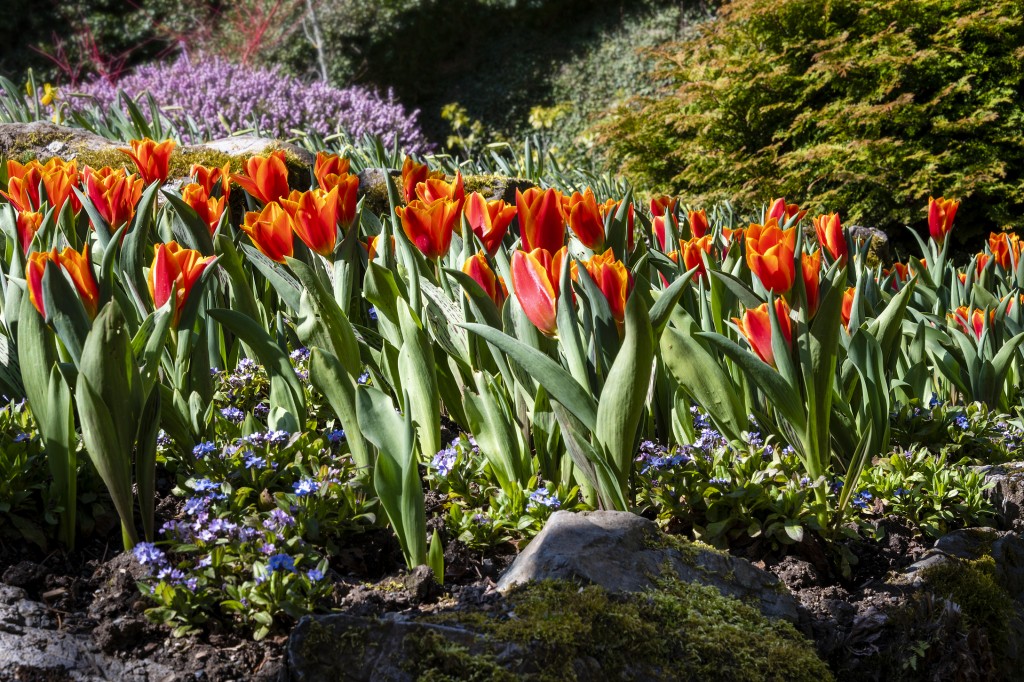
x: 559, y: 630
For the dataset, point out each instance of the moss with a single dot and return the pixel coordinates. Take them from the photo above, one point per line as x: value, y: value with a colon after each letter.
x: 27, y: 146
x: 973, y: 585
x: 319, y: 639
x: 433, y: 658
x: 496, y: 186
x: 679, y: 631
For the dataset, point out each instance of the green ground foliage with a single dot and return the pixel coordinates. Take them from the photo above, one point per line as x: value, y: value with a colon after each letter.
x: 863, y: 106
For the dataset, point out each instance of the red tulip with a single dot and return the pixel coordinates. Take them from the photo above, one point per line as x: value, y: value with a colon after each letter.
x: 28, y: 224
x: 177, y: 269
x: 210, y: 178
x: 614, y: 281
x: 316, y: 220
x: 535, y: 278
x: 1005, y: 248
x: 413, y: 174
x: 692, y: 250
x: 328, y: 167
x: 770, y: 255
x: 782, y: 211
x: 611, y: 207
x: 659, y: 229
x: 810, y: 271
x: 59, y: 179
x: 941, y: 212
x: 114, y: 193
x: 489, y: 220
x: 210, y: 210
x: 847, y: 310
x: 541, y: 219
x: 756, y: 326
x: 265, y: 177
x: 78, y: 268
x: 663, y: 204
x: 480, y: 270
x: 972, y: 321
x: 371, y: 246
x: 23, y: 185
x: 831, y: 236
x: 429, y: 226
x: 432, y: 189
x: 698, y: 222
x: 271, y: 231
x: 585, y: 219
x: 152, y: 159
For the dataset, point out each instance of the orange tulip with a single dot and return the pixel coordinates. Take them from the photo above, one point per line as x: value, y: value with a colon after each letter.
x: 941, y: 212
x: 756, y: 326
x: 23, y: 185
x: 692, y: 251
x: 541, y: 219
x: 831, y: 236
x: 982, y: 260
x: 114, y: 193
x: 59, y: 179
x: 535, y: 278
x: 210, y: 210
x: 585, y: 219
x: 663, y: 204
x: 328, y: 165
x: 265, y: 177
x: 659, y: 229
x: 972, y: 321
x: 847, y: 309
x: 271, y: 231
x: 480, y: 270
x: 28, y: 224
x: 178, y: 269
x: 316, y: 220
x: 611, y: 207
x: 413, y: 174
x: 371, y: 246
x: 78, y: 268
x: 698, y: 222
x: 432, y: 189
x: 429, y: 226
x: 728, y: 236
x: 1005, y: 248
x: 152, y: 159
x: 489, y: 220
x: 209, y: 178
x: 614, y: 281
x: 770, y: 255
x: 348, y: 197
x: 782, y: 211
x: 810, y: 271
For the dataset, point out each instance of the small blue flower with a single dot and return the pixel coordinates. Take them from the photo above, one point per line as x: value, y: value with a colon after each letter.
x: 163, y: 439
x: 281, y: 562
x: 254, y: 461
x: 148, y: 554
x: 372, y: 313
x: 306, y: 486
x: 541, y: 498
x: 363, y: 378
x: 22, y: 437
x: 900, y: 492
x: 861, y: 500
x: 443, y: 461
x: 315, y: 575
x: 336, y: 436
x: 204, y: 485
x: 962, y: 422
x: 195, y: 505
x: 261, y: 410
x: 277, y: 437
x: 233, y: 414
x: 300, y: 355
x: 278, y: 519
x: 805, y: 481
x: 203, y: 449
x: 719, y: 481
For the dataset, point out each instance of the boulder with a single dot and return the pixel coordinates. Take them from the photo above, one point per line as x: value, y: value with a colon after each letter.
x: 623, y: 552
x: 1007, y: 493
x: 878, y: 251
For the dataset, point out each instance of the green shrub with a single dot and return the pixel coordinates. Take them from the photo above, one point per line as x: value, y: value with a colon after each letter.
x: 862, y: 106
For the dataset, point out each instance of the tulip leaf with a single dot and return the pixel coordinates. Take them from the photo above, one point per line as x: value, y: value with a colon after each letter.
x: 886, y: 327
x: 435, y: 557
x: 136, y: 241
x: 598, y: 477
x: 328, y: 376
x: 738, y: 288
x: 65, y: 310
x: 321, y: 321
x: 242, y: 298
x: 444, y: 317
x: 145, y: 461
x: 482, y: 304
x: 661, y: 311
x: 560, y: 385
x: 569, y: 332
x: 419, y: 380
x: 189, y: 229
x: 493, y: 424
x: 819, y: 378
x: 284, y: 284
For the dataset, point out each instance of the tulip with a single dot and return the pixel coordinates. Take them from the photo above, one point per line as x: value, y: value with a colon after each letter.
x: 177, y: 269
x: 659, y: 229
x: 371, y: 246
x: 698, y: 222
x: 981, y: 260
x: 432, y: 189
x: 831, y: 236
x: 480, y: 270
x: 429, y: 226
x: 535, y: 278
x: 489, y: 220
x: 941, y: 212
x: 728, y: 236
x: 209, y: 178
x: 210, y: 210
x: 28, y: 224
x: 847, y: 309
x: 316, y: 220
x: 265, y: 177
x: 23, y: 185
x: 271, y: 231
x: 663, y: 204
x: 782, y: 211
x: 585, y: 219
x: 692, y: 251
x: 756, y: 326
x: 611, y: 207
x: 328, y: 167
x: 614, y: 281
x: 413, y: 174
x: 1005, y: 248
x: 810, y: 271
x: 114, y: 193
x: 972, y: 321
x: 541, y: 219
x: 59, y: 179
x: 770, y: 255
x: 78, y: 268
x: 151, y: 158
x: 348, y: 197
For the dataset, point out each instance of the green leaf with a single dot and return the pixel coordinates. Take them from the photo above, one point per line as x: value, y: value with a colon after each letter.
x: 329, y: 377
x: 419, y: 380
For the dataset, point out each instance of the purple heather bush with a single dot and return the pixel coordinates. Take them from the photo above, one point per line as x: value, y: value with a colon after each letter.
x: 223, y: 97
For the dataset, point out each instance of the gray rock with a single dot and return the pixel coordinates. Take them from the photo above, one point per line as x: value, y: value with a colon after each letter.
x: 251, y: 145
x: 879, y: 252
x: 623, y: 552
x: 373, y: 189
x: 1007, y: 493
x: 44, y: 140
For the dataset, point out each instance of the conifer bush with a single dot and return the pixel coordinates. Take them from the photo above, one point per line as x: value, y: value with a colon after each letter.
x: 867, y: 105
